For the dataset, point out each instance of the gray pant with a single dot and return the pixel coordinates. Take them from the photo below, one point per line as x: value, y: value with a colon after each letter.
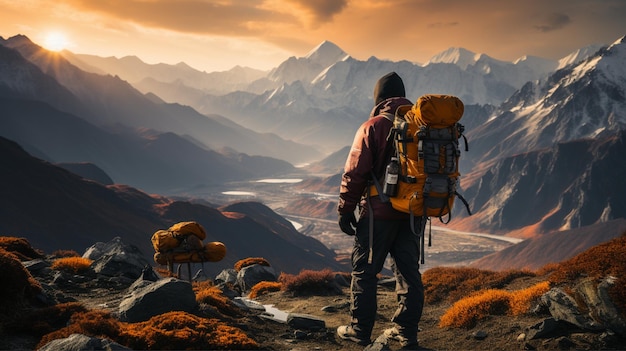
x: 395, y: 238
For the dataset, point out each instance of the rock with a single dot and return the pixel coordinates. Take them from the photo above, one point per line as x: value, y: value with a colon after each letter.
x: 228, y: 291
x: 521, y: 337
x: 528, y: 346
x: 380, y: 344
x: 78, y: 342
x: 148, y: 274
x: 227, y: 276
x: 601, y: 305
x: 247, y: 304
x: 163, y: 296
x: 563, y: 307
x: 251, y: 275
x: 329, y: 309
x: 116, y: 259
x: 36, y: 266
x: 565, y: 343
x: 388, y: 283
x: 299, y: 335
x: 546, y: 328
x: 479, y: 335
x: 305, y: 321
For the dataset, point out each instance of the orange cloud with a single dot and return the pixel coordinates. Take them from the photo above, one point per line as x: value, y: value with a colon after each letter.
x: 233, y: 18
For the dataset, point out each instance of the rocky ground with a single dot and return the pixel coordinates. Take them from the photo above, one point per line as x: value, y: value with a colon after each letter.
x: 494, y: 333
x: 102, y: 287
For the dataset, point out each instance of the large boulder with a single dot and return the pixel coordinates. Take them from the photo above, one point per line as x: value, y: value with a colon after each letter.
x: 115, y: 258
x: 601, y: 306
x: 563, y: 308
x: 165, y: 295
x: 251, y: 275
x: 79, y: 342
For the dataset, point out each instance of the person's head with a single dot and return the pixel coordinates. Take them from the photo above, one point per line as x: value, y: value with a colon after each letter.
x: 388, y: 86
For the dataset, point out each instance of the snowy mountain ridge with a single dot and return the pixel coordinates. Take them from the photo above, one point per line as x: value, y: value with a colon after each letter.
x: 583, y: 100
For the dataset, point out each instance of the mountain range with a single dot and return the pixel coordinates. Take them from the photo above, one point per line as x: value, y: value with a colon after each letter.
x: 318, y: 99
x: 546, y: 136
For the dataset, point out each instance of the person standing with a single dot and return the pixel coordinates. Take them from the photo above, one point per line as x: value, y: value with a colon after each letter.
x: 390, y: 231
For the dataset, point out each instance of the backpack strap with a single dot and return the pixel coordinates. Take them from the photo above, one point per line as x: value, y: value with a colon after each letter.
x: 376, y: 189
x: 370, y: 216
x: 464, y: 202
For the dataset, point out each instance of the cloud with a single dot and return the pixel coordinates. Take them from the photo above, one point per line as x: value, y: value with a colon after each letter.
x: 443, y: 24
x: 220, y: 17
x: 554, y: 21
x: 321, y: 10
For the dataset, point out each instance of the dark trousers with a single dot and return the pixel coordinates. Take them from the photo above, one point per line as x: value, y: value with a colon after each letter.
x: 390, y: 237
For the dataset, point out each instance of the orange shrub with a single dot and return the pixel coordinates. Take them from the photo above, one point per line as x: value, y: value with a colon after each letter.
x: 207, y: 293
x: 40, y: 321
x: 72, y: 264
x: 309, y: 282
x: 521, y: 301
x: 93, y: 323
x: 468, y: 311
x: 597, y: 262
x: 239, y: 265
x: 547, y: 269
x: 20, y: 247
x: 168, y: 331
x: 18, y: 285
x: 184, y: 331
x: 264, y: 287
x: 452, y: 283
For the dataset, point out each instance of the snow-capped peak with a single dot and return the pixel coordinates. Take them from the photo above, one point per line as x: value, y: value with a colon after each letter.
x: 459, y: 56
x: 326, y: 54
x: 579, y: 55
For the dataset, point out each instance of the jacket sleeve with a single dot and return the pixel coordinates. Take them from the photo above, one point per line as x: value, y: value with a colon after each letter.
x: 357, y: 169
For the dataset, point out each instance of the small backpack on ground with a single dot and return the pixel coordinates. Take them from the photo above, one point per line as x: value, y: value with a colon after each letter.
x: 182, y: 243
x: 165, y: 240
x: 425, y: 137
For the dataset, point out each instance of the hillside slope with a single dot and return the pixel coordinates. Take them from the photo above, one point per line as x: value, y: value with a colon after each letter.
x: 55, y: 209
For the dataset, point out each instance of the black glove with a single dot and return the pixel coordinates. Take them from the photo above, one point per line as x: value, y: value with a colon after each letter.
x: 346, y: 222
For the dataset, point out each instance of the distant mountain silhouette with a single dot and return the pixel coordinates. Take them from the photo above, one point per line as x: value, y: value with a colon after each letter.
x: 56, y: 209
x: 154, y: 162
x: 88, y: 171
x: 106, y: 101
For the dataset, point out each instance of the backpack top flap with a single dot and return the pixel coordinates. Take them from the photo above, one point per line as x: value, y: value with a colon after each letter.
x: 187, y: 228
x: 438, y: 111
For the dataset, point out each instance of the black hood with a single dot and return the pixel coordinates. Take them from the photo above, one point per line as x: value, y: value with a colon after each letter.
x: 388, y: 86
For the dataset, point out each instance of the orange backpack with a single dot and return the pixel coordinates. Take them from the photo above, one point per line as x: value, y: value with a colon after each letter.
x: 427, y: 146
x: 182, y: 243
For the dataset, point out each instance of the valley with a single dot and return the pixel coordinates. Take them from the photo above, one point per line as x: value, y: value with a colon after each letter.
x: 449, y: 247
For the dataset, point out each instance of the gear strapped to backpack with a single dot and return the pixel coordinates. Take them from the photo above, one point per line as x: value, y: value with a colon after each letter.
x: 425, y: 137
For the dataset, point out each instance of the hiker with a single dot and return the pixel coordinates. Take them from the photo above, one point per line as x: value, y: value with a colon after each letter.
x: 391, y: 234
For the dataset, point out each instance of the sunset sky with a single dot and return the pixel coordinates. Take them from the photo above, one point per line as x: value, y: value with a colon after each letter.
x: 215, y: 35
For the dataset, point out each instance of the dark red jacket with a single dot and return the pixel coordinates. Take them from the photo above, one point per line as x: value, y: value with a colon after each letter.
x: 370, y: 152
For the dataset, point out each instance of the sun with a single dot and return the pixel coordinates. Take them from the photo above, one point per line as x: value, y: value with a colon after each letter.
x: 56, y: 41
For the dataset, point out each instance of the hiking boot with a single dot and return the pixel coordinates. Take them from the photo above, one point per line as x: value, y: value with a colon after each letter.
x: 346, y: 332
x: 407, y: 343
